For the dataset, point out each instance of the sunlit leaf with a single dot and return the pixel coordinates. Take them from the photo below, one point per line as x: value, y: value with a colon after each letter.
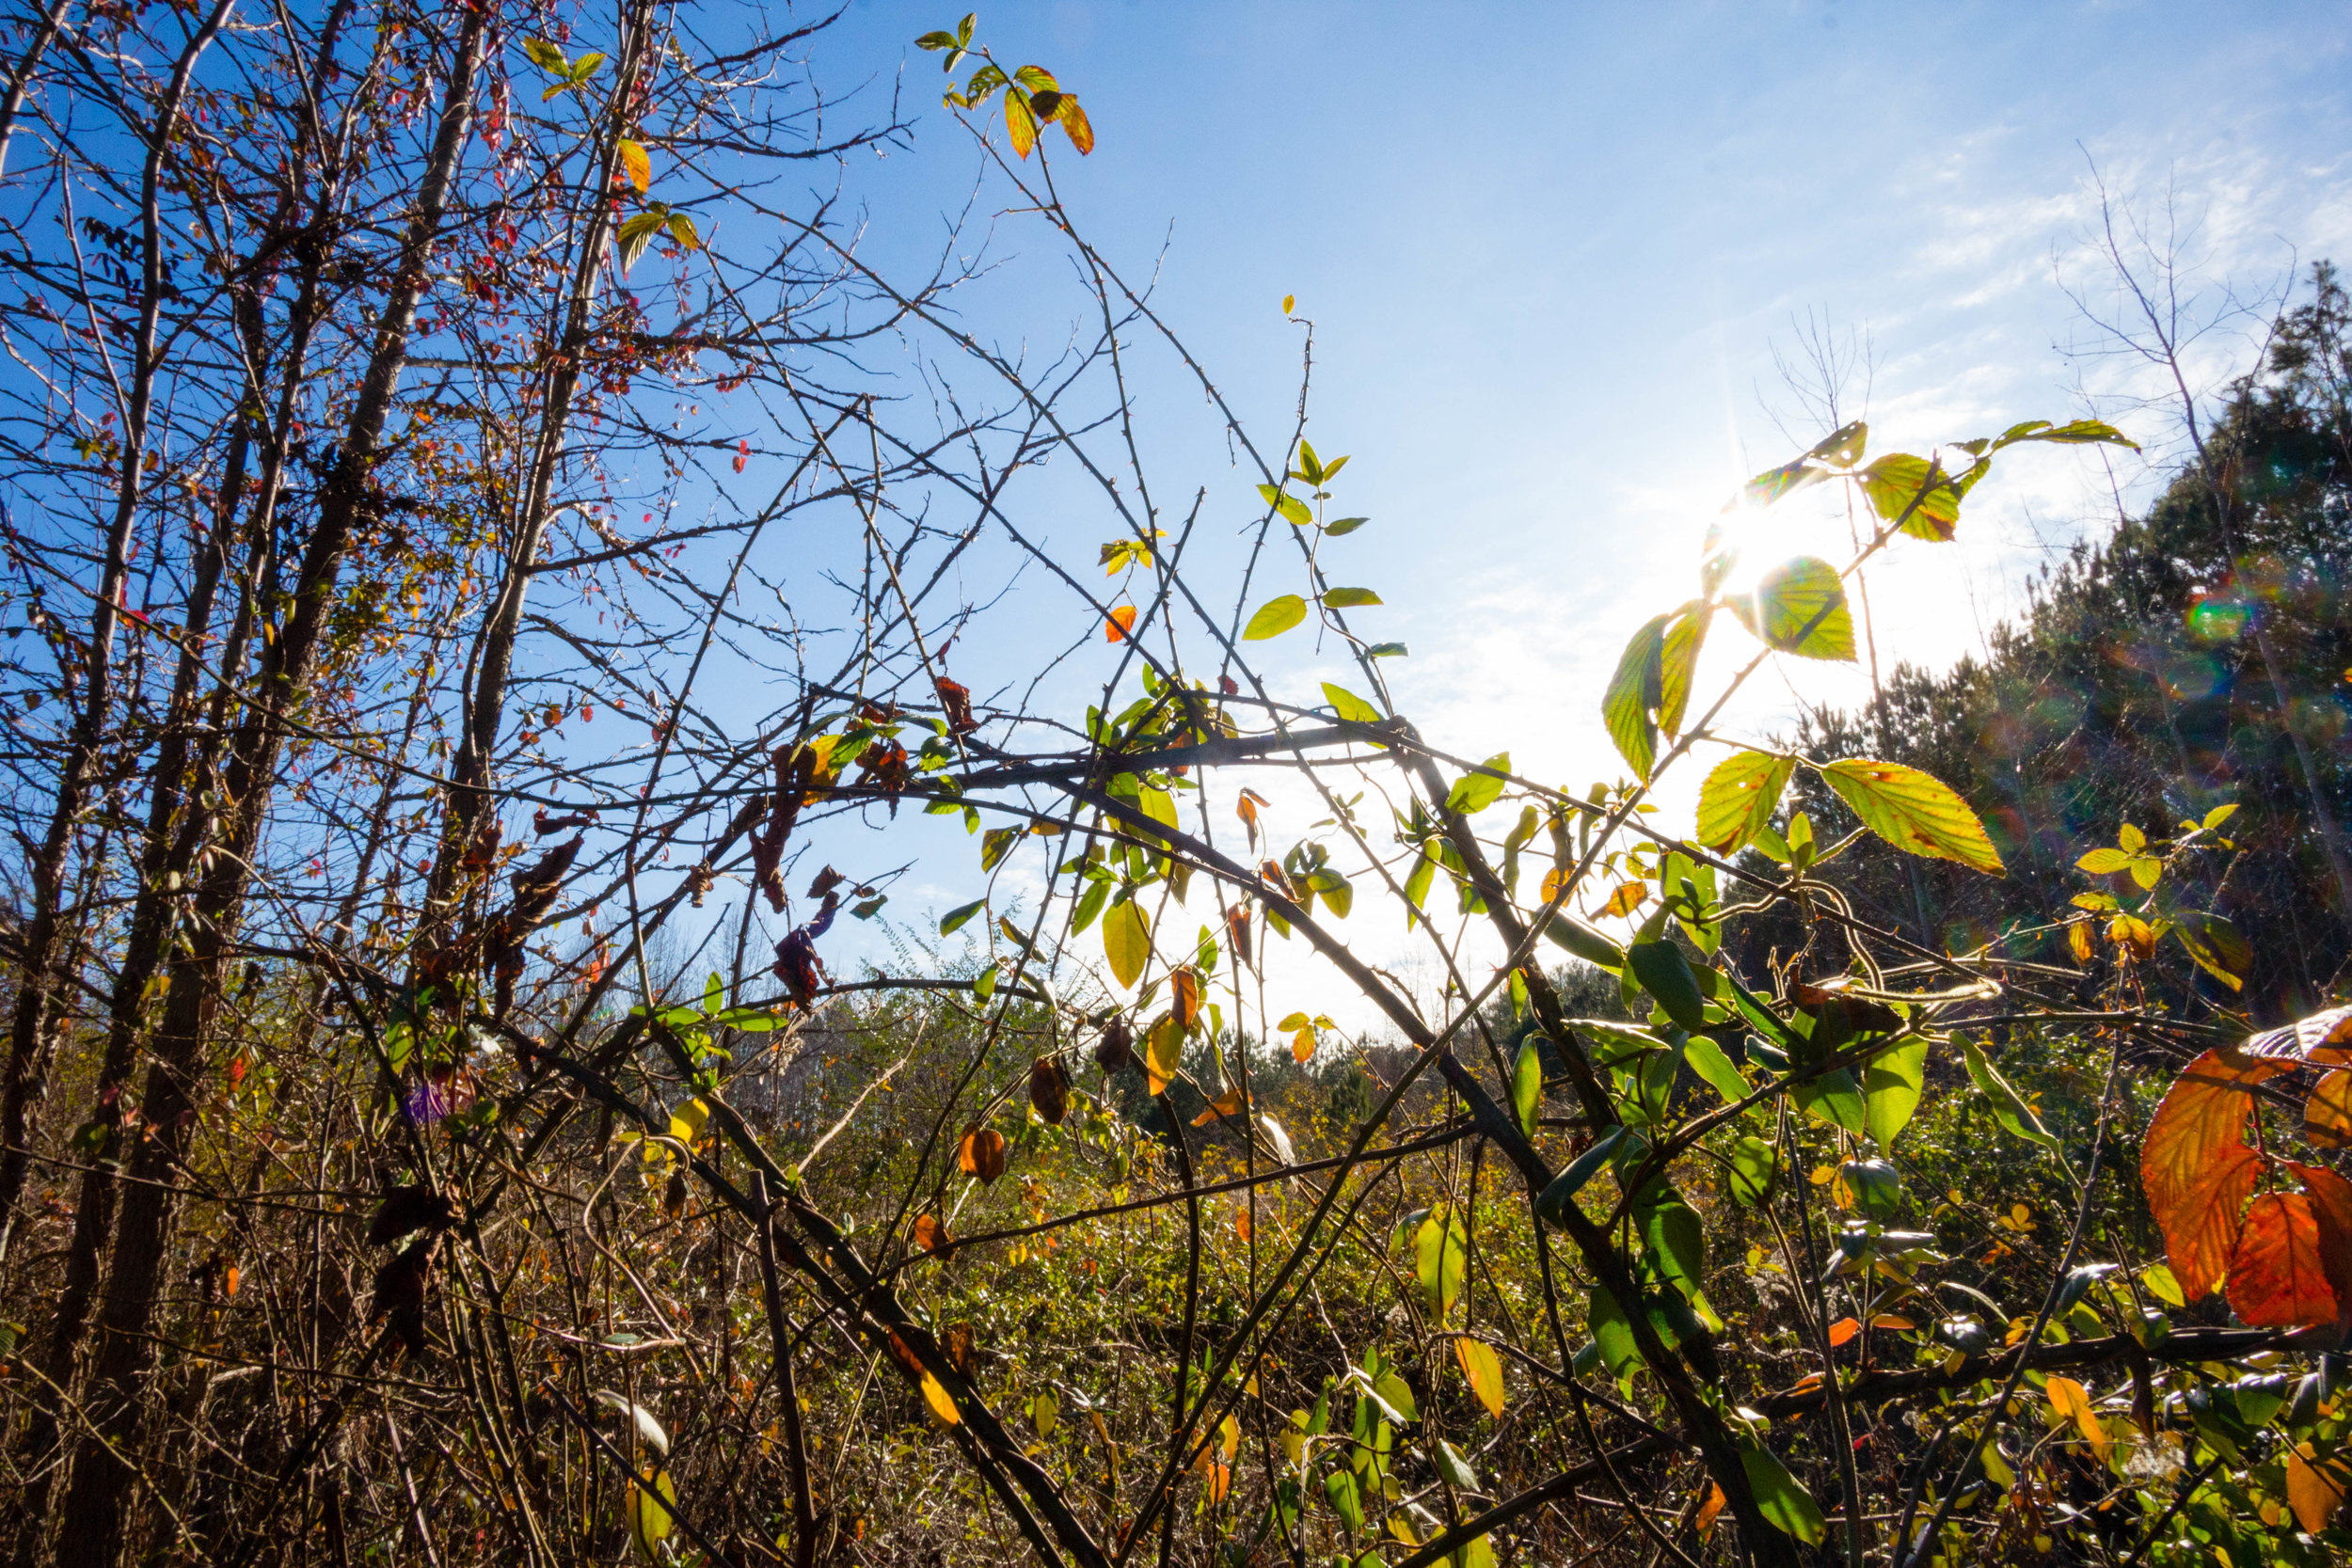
x: 1738, y: 797
x: 1786, y: 1506
x: 2008, y: 1107
x: 649, y: 1518
x: 1483, y: 1370
x: 1798, y: 607
x: 980, y: 1154
x: 1350, y: 707
x: 1073, y: 119
x: 1120, y: 624
x: 643, y: 1421
x: 1020, y: 123
x: 1665, y: 973
x: 1349, y: 598
x: 1901, y: 486
x: 954, y: 919
x: 1126, y: 942
x: 1912, y: 811
x: 2071, y: 1401
x: 2196, y: 1168
x: 1890, y: 1089
x: 2328, y: 1114
x: 2276, y: 1277
x: 1527, y: 1084
x: 1163, y: 1053
x: 1273, y: 618
x: 2315, y: 1491
x: 1440, y: 1254
x: 1629, y: 704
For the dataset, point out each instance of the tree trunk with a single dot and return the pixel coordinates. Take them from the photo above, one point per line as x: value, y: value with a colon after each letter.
x: 93, y: 1510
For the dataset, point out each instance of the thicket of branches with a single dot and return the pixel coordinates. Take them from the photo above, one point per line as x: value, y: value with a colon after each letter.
x: 479, y: 513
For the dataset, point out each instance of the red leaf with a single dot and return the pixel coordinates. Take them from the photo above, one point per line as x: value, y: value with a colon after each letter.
x: 2276, y: 1278
x: 2195, y: 1166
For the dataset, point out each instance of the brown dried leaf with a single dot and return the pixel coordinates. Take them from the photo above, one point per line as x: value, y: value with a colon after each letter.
x: 981, y: 1154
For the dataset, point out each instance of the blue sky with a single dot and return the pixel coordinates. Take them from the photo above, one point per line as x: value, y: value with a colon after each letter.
x: 1551, y: 252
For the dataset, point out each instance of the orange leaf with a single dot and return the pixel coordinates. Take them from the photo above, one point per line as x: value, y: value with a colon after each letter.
x: 1073, y: 119
x: 1303, y: 1044
x: 1629, y: 897
x: 1121, y: 622
x: 1184, y: 989
x: 2315, y: 1492
x: 932, y: 1237
x: 982, y: 1153
x: 2331, y: 1206
x: 1227, y: 1104
x: 1708, y: 1510
x: 1842, y: 1331
x: 2276, y: 1277
x: 2195, y: 1166
x: 2072, y: 1402
x: 1248, y: 805
x: 2327, y: 1115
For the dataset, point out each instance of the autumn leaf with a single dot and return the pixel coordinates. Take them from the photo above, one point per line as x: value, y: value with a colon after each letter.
x: 1738, y: 798
x: 1842, y: 1332
x: 2327, y: 1115
x: 1126, y: 942
x: 2196, y: 1167
x: 1483, y: 1370
x: 1912, y: 811
x: 2323, y: 1040
x: 2331, y: 1206
x: 2071, y: 1401
x: 2276, y: 1277
x: 1049, y: 1089
x: 2314, y: 1491
x: 1118, y: 623
x: 981, y: 1154
x: 1629, y: 897
x: 1230, y: 1103
x: 931, y: 1234
x: 1184, y: 994
x: 636, y: 165
x: 1163, y: 1053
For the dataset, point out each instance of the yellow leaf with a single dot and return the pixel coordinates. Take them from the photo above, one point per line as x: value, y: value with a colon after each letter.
x: 2071, y: 1401
x: 942, y: 1405
x: 1290, y: 302
x: 1126, y: 940
x: 636, y: 165
x: 650, y: 1521
x: 686, y: 1122
x: 1484, y: 1370
x: 1629, y: 897
x: 1020, y: 121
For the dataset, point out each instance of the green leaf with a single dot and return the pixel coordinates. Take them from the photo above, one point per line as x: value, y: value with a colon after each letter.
x: 1613, y: 1333
x: 2217, y: 947
x: 1631, y: 703
x: 1440, y: 1256
x: 1706, y: 1058
x: 1338, y: 1489
x: 2075, y: 433
x: 1674, y: 1240
x: 649, y: 1518
x: 1386, y: 650
x: 1912, y: 811
x: 1787, y: 1507
x: 1901, y: 486
x: 984, y: 984
x: 1417, y: 884
x: 1350, y: 707
x: 1890, y: 1089
x: 682, y: 229
x: 1527, y: 1084
x: 1339, y: 527
x: 1090, y: 904
x: 1291, y: 507
x: 1456, y: 1471
x: 1397, y: 1394
x: 2008, y: 1106
x: 1754, y: 1162
x: 1798, y: 607
x: 1585, y: 943
x: 1679, y: 665
x: 1273, y: 618
x: 1665, y: 973
x: 956, y: 917
x: 1126, y: 940
x: 1474, y: 792
x: 547, y: 56
x: 1349, y: 598
x: 1738, y: 798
